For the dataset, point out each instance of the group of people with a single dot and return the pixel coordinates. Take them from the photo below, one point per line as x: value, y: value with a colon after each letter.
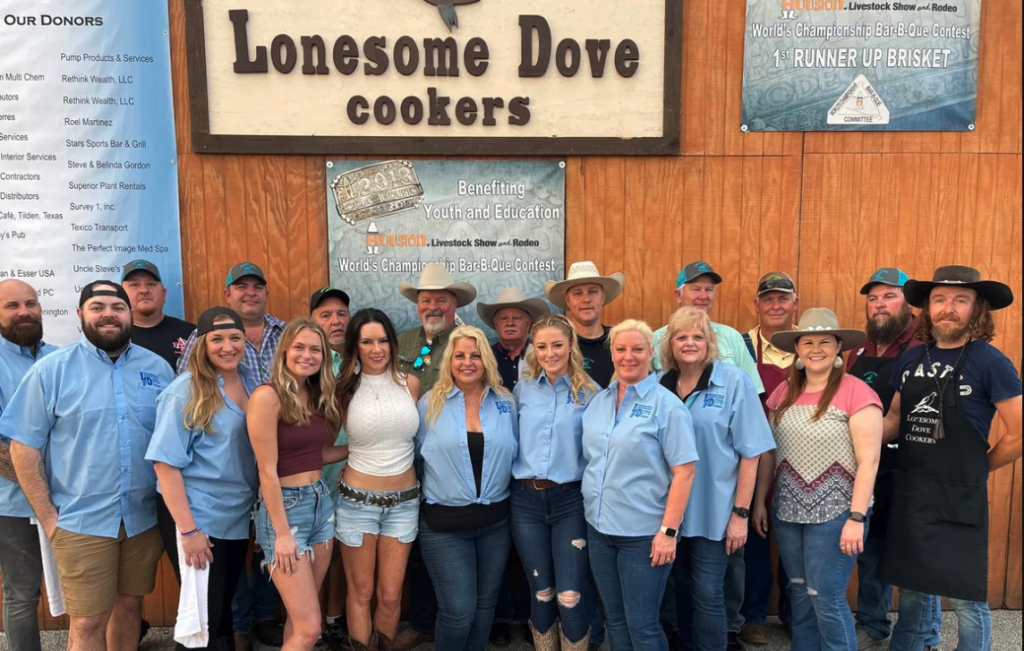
x: 637, y: 475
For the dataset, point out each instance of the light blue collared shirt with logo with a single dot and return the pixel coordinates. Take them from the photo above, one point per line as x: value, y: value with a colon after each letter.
x: 550, y: 431
x: 94, y: 419
x: 630, y: 454
x: 15, y: 361
x: 218, y: 467
x: 448, y: 477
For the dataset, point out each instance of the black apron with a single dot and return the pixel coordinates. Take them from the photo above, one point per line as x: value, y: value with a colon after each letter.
x: 937, y: 540
x: 876, y: 373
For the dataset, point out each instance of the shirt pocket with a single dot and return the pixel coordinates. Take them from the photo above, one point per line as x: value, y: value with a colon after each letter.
x: 145, y: 407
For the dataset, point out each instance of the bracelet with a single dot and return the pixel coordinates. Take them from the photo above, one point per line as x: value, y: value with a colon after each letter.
x: 190, y: 533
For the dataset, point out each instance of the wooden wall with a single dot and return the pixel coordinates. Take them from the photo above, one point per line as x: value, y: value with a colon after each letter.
x: 828, y: 208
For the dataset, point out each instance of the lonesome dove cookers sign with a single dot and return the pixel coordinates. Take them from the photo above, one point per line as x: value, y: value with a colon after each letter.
x: 531, y: 77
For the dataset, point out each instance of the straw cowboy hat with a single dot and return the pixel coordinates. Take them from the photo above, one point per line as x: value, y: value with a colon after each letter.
x: 436, y: 278
x: 584, y: 273
x: 512, y: 297
x: 819, y: 321
x: 998, y: 295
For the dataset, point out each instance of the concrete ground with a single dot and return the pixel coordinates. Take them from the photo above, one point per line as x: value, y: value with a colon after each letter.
x: 1006, y: 625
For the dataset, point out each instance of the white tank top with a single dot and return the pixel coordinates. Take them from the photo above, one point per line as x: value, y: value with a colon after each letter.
x: 382, y: 425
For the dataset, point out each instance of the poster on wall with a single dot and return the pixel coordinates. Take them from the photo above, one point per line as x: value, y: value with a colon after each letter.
x: 88, y: 177
x: 861, y: 65
x: 493, y: 224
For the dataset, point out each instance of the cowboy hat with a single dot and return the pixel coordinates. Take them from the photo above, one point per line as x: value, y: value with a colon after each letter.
x: 819, y: 321
x: 436, y: 278
x: 512, y: 297
x: 998, y: 295
x: 584, y: 273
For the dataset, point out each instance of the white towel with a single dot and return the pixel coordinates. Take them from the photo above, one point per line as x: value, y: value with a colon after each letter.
x: 51, y: 577
x: 193, y: 627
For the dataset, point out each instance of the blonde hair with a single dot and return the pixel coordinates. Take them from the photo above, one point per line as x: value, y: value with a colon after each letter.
x: 445, y: 381
x: 579, y: 382
x: 320, y: 385
x: 687, y: 318
x: 632, y: 325
x: 204, y: 398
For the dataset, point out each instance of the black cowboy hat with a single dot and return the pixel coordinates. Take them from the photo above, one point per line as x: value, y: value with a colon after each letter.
x: 998, y: 295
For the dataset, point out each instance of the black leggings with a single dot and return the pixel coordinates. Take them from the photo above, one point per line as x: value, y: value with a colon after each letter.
x: 225, y: 571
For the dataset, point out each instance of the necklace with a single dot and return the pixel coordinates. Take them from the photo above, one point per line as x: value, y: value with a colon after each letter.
x: 939, y: 430
x: 371, y: 383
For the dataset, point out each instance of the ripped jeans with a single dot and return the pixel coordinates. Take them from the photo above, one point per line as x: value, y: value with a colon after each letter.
x: 310, y: 512
x: 550, y: 532
x: 819, y: 573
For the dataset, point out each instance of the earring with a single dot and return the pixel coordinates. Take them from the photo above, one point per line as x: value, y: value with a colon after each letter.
x: 839, y: 363
x: 799, y: 364
x: 359, y: 367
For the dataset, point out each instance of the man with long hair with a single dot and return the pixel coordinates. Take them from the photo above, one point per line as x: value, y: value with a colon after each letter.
x: 947, y: 395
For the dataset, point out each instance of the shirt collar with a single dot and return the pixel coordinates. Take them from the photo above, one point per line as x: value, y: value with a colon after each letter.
x: 274, y: 323
x: 93, y: 350
x: 562, y: 380
x: 507, y: 353
x: 22, y: 350
x: 643, y: 387
x: 457, y: 391
x: 439, y: 337
x: 767, y: 342
x: 712, y: 375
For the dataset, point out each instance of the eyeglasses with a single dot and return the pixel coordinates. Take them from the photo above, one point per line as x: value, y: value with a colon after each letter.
x: 424, y: 358
x: 776, y: 285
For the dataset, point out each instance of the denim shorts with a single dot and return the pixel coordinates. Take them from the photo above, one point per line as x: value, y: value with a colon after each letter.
x: 310, y: 514
x: 355, y: 519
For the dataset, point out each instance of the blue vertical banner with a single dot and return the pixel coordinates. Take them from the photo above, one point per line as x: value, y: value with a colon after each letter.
x: 88, y: 169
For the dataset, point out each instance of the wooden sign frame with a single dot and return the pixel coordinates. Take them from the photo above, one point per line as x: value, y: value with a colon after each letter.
x: 205, y: 142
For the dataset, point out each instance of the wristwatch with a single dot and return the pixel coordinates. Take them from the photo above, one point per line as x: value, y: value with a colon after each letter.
x: 742, y: 512
x: 670, y: 532
x: 858, y: 517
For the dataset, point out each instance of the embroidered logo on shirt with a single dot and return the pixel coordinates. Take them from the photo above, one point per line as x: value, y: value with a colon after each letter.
x: 504, y: 407
x: 179, y: 346
x: 641, y: 411
x: 149, y: 379
x: 581, y: 398
x: 714, y: 401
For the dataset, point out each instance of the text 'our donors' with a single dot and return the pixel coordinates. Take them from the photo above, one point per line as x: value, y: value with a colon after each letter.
x: 433, y: 58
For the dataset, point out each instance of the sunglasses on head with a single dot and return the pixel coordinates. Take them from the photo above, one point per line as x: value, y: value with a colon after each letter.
x: 421, y: 360
x: 776, y: 285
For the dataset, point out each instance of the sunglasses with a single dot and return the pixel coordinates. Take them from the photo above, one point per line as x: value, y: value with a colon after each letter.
x: 423, y: 358
x: 776, y: 285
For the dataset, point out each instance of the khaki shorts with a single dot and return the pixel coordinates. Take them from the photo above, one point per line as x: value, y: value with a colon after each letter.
x: 95, y: 570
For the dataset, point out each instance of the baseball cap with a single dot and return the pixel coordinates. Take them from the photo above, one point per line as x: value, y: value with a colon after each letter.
x: 325, y: 293
x: 140, y: 265
x: 243, y: 269
x: 695, y: 270
x: 776, y: 281
x: 207, y: 318
x: 890, y: 276
x: 91, y: 291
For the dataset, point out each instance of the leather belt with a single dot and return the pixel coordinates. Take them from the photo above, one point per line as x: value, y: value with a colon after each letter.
x: 546, y: 484
x: 382, y: 500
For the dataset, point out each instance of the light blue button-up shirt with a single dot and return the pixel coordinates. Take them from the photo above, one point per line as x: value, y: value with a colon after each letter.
x: 96, y: 417
x: 550, y: 431
x: 448, y: 477
x: 729, y: 425
x: 218, y: 468
x: 630, y: 454
x: 15, y: 361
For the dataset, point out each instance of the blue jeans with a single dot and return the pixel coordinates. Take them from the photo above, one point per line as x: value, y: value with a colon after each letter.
x: 422, y: 600
x: 513, y: 598
x: 735, y: 588
x: 467, y: 568
x: 874, y: 599
x: 700, y: 570
x: 550, y: 531
x: 917, y: 615
x: 760, y: 581
x: 256, y: 599
x: 819, y: 573
x: 632, y: 590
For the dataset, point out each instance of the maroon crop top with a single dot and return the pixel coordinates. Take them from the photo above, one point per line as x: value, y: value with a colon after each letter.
x: 300, y: 448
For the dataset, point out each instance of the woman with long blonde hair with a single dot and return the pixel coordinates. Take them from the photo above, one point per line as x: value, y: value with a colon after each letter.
x: 548, y: 522
x: 205, y: 467
x: 468, y: 440
x: 292, y: 425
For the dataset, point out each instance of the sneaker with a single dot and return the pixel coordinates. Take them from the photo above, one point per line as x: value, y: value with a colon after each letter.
x: 270, y: 634
x: 501, y: 634
x: 409, y: 639
x: 734, y: 643
x: 754, y: 634
x: 865, y: 641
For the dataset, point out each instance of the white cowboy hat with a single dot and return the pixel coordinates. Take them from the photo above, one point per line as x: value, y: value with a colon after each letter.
x: 819, y: 321
x: 436, y: 278
x: 584, y: 273
x: 512, y: 297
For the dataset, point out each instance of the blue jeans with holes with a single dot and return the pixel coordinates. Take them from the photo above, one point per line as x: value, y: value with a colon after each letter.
x: 632, y: 590
x: 917, y: 614
x: 874, y: 598
x: 819, y: 573
x: 467, y: 568
x: 700, y: 570
x: 550, y: 532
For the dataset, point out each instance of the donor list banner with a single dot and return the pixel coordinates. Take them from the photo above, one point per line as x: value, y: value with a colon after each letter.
x: 858, y: 65
x: 88, y: 178
x: 493, y: 224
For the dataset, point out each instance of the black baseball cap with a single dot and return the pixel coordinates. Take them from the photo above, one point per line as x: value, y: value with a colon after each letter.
x: 207, y: 318
x: 776, y: 281
x: 140, y: 265
x: 98, y: 288
x: 890, y: 276
x: 323, y: 293
x: 695, y: 270
x: 243, y: 269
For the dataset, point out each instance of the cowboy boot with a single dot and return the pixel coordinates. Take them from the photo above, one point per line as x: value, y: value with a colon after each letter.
x: 582, y: 645
x: 384, y: 643
x: 359, y: 646
x: 546, y: 641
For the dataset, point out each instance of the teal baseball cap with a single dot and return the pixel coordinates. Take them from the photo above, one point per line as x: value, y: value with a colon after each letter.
x: 243, y: 269
x: 890, y: 276
x: 140, y: 265
x: 695, y: 270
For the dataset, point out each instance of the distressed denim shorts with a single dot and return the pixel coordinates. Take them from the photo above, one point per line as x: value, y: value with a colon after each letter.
x: 355, y: 519
x: 310, y: 512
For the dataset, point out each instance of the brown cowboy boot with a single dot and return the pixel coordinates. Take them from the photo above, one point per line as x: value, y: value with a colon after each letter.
x: 546, y: 641
x: 359, y: 646
x: 582, y: 645
x: 384, y: 643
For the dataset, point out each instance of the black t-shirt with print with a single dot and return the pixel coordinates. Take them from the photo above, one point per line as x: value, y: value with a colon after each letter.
x: 167, y: 338
x: 597, y: 359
